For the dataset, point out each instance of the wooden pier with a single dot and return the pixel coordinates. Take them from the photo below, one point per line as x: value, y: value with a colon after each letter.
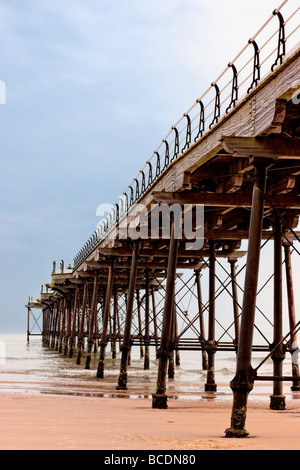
x: 228, y: 173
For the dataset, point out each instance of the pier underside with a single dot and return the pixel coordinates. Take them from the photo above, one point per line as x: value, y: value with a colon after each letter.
x: 183, y: 268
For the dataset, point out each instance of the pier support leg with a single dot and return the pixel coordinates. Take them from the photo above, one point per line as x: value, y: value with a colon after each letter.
x: 62, y: 328
x: 28, y: 323
x: 201, y: 320
x: 232, y: 262
x: 292, y: 315
x: 68, y: 329
x: 114, y: 340
x: 74, y: 322
x: 154, y: 321
x: 159, y: 399
x: 81, y: 324
x: 147, y: 322
x: 243, y: 381
x: 106, y: 314
x: 277, y: 399
x: 140, y: 322
x: 177, y: 353
x: 126, y: 346
x: 58, y: 327
x: 92, y: 324
x: 171, y: 367
x: 210, y: 385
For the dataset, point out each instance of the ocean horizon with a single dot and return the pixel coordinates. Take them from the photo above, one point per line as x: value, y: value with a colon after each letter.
x: 33, y: 368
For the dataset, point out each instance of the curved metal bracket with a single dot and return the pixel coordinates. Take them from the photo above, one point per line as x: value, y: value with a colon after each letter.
x: 150, y: 177
x: 157, y: 173
x: 188, y: 137
x: 117, y: 212
x: 137, y: 189
x: 201, y: 121
x: 235, y: 88
x: 131, y: 196
x: 176, y: 144
x: 167, y: 154
x: 143, y: 188
x: 217, y: 112
x: 127, y: 203
x: 281, y: 40
x: 256, y: 65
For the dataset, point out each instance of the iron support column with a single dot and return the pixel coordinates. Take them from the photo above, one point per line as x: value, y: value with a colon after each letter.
x: 171, y: 367
x: 73, y: 333
x: 232, y: 262
x: 147, y: 321
x: 154, y: 320
x: 81, y: 323
x: 210, y: 385
x: 114, y: 326
x: 159, y: 399
x: 126, y: 346
x: 92, y: 323
x: 106, y: 314
x: 201, y: 319
x: 242, y: 384
x: 28, y: 322
x: 292, y: 315
x: 140, y: 322
x: 62, y: 328
x: 277, y: 401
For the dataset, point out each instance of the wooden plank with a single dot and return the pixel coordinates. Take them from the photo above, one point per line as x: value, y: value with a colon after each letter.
x: 165, y: 253
x: 272, y: 147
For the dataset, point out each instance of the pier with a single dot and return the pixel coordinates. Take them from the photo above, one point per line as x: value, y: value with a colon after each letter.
x: 223, y: 185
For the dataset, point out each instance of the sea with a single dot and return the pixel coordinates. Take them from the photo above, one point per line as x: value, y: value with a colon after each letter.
x: 31, y: 368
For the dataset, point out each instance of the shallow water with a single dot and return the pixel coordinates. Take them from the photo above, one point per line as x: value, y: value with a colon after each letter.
x: 35, y: 369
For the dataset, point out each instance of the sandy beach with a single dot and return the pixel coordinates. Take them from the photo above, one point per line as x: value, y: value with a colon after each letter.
x: 82, y: 423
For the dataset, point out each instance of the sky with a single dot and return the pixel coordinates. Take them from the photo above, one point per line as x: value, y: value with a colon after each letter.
x: 92, y: 87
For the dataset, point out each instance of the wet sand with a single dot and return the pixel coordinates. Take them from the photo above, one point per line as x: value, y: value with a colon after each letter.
x: 84, y: 423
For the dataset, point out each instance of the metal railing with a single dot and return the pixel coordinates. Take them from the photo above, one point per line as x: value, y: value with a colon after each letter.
x: 264, y: 52
x: 60, y: 266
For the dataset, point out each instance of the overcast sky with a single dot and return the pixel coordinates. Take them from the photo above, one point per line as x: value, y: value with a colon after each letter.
x: 92, y: 88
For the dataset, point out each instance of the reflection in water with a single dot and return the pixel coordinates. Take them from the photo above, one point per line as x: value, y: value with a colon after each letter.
x: 35, y: 369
